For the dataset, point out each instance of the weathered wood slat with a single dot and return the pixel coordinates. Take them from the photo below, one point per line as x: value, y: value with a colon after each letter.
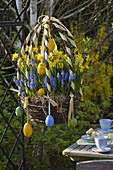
x: 70, y: 148
x: 87, y: 148
x: 79, y: 151
x: 95, y: 165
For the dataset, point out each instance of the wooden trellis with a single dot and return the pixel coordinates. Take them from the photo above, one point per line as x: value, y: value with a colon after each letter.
x: 11, y: 138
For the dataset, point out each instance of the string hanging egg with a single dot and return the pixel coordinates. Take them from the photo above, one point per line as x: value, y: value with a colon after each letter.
x: 49, y: 121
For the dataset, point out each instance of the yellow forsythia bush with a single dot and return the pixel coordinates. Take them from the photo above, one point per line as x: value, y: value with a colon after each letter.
x: 97, y: 78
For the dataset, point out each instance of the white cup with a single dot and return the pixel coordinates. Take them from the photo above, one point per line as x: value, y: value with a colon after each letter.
x: 102, y: 142
x: 105, y: 124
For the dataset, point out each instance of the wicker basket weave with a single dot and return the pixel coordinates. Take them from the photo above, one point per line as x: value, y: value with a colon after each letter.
x: 38, y: 108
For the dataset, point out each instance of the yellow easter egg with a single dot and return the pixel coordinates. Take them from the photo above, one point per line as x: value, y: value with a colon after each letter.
x: 41, y: 69
x: 27, y: 130
x: 41, y: 92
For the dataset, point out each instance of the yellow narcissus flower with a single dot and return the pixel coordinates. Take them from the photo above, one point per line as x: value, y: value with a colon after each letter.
x: 58, y: 53
x: 52, y: 64
x: 86, y: 66
x: 81, y: 68
x: 27, y: 48
x: 14, y: 56
x: 60, y: 65
x: 24, y: 57
x: 40, y: 57
x: 65, y: 56
x: 80, y: 58
x: 75, y: 50
x: 51, y: 57
x: 35, y: 49
x: 22, y: 65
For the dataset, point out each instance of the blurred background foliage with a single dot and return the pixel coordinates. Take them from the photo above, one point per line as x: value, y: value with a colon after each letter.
x: 91, y: 25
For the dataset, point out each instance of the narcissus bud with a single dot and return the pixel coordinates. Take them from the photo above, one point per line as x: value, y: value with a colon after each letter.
x: 51, y: 45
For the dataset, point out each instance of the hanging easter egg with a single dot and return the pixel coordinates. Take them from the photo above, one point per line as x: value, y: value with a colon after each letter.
x: 27, y: 130
x: 73, y: 122
x: 41, y: 92
x: 49, y: 121
x: 51, y: 45
x: 19, y: 111
x: 41, y: 69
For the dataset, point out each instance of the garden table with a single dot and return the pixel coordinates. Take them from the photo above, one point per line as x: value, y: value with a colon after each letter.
x: 82, y: 150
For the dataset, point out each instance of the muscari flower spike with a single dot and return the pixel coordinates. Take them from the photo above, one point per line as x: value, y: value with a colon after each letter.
x: 63, y: 74
x: 53, y: 82
x: 66, y: 76
x: 72, y: 77
x: 16, y: 81
x: 58, y: 77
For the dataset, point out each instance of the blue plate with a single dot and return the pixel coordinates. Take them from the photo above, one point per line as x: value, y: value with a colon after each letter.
x: 107, y: 149
x: 86, y: 137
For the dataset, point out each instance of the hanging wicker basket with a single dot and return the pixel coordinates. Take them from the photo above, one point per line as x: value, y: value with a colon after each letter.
x: 30, y: 79
x: 38, y: 108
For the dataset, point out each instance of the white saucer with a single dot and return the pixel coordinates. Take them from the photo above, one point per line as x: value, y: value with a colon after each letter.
x: 107, y: 149
x: 104, y: 131
x: 86, y: 137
